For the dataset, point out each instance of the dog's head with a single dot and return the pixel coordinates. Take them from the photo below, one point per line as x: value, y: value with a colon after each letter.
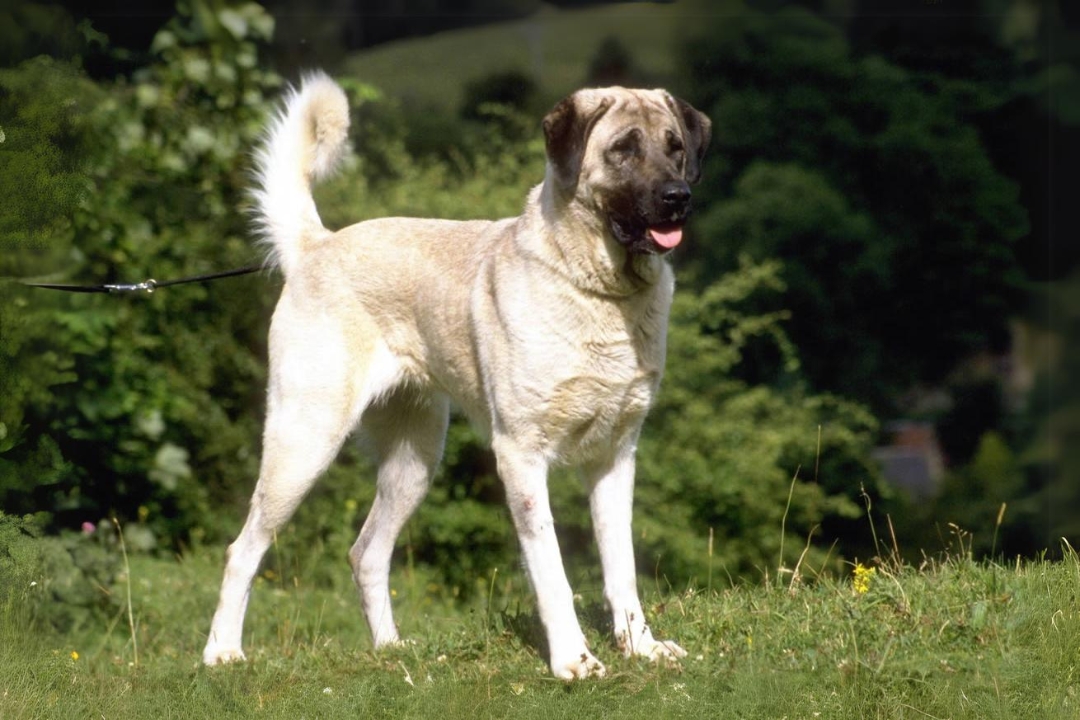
x: 629, y: 157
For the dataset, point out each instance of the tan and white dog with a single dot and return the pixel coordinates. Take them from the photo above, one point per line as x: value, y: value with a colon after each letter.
x: 548, y: 330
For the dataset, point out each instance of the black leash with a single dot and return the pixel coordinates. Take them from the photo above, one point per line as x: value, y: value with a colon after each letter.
x: 147, y: 286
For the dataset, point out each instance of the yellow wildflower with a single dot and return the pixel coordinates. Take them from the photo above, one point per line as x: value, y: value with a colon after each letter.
x: 74, y: 655
x: 861, y: 582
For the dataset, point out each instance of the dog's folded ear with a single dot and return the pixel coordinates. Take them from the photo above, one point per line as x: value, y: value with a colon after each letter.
x: 697, y: 129
x: 566, y: 132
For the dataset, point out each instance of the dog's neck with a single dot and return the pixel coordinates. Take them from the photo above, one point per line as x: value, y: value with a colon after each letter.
x: 581, y: 247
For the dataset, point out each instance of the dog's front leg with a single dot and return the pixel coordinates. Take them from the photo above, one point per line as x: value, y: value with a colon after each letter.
x: 611, y: 503
x: 525, y: 477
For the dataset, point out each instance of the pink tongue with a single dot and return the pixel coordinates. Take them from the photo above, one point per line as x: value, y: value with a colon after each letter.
x: 666, y: 237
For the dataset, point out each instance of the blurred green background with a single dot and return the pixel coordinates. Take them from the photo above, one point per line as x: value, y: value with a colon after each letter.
x: 877, y: 308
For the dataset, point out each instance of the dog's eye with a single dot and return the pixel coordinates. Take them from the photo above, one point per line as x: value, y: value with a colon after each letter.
x: 674, y: 143
x: 626, y: 146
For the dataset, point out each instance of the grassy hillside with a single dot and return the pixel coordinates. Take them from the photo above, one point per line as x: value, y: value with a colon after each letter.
x: 554, y: 47
x: 953, y: 639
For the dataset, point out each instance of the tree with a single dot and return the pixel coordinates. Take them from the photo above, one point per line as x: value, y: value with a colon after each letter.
x: 896, y: 232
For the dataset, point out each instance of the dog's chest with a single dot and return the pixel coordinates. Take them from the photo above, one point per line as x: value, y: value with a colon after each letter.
x: 597, y: 392
x: 600, y: 403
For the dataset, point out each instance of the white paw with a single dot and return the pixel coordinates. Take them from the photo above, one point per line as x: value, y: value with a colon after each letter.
x: 578, y: 667
x: 658, y: 651
x: 661, y: 651
x: 222, y: 656
x: 396, y: 644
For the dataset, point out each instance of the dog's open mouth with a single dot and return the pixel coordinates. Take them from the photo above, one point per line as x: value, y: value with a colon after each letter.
x: 649, y: 239
x: 641, y: 234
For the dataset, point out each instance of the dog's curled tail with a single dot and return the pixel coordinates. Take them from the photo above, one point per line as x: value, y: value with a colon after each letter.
x: 304, y: 143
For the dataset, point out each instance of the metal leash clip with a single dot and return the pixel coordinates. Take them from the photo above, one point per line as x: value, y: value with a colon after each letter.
x: 147, y: 285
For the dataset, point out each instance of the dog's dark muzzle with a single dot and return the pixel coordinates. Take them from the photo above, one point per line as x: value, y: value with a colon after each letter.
x: 663, y: 225
x: 673, y: 201
x: 651, y: 221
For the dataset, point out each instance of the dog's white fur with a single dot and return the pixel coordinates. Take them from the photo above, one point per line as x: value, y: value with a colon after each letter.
x: 530, y: 324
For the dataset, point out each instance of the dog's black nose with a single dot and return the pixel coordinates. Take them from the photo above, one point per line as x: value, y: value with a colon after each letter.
x: 675, y: 194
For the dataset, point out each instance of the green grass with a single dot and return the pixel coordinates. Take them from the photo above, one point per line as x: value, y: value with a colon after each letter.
x: 954, y: 639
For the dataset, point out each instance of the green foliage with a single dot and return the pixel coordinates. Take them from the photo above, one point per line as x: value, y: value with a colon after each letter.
x: 514, y: 90
x: 44, y: 106
x: 58, y: 583
x: 18, y: 565
x: 114, y: 401
x: 831, y: 267
x: 718, y: 455
x: 868, y: 182
x: 481, y: 169
x: 1051, y: 453
x: 463, y: 527
x: 43, y: 110
x: 29, y: 29
x: 976, y: 498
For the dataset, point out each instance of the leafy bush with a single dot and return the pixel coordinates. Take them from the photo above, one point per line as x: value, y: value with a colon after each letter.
x: 986, y: 499
x: 57, y: 582
x: 719, y: 455
x: 135, y: 405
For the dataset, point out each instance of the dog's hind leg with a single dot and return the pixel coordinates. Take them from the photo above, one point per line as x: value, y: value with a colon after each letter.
x: 318, y: 388
x: 408, y: 430
x: 294, y: 455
